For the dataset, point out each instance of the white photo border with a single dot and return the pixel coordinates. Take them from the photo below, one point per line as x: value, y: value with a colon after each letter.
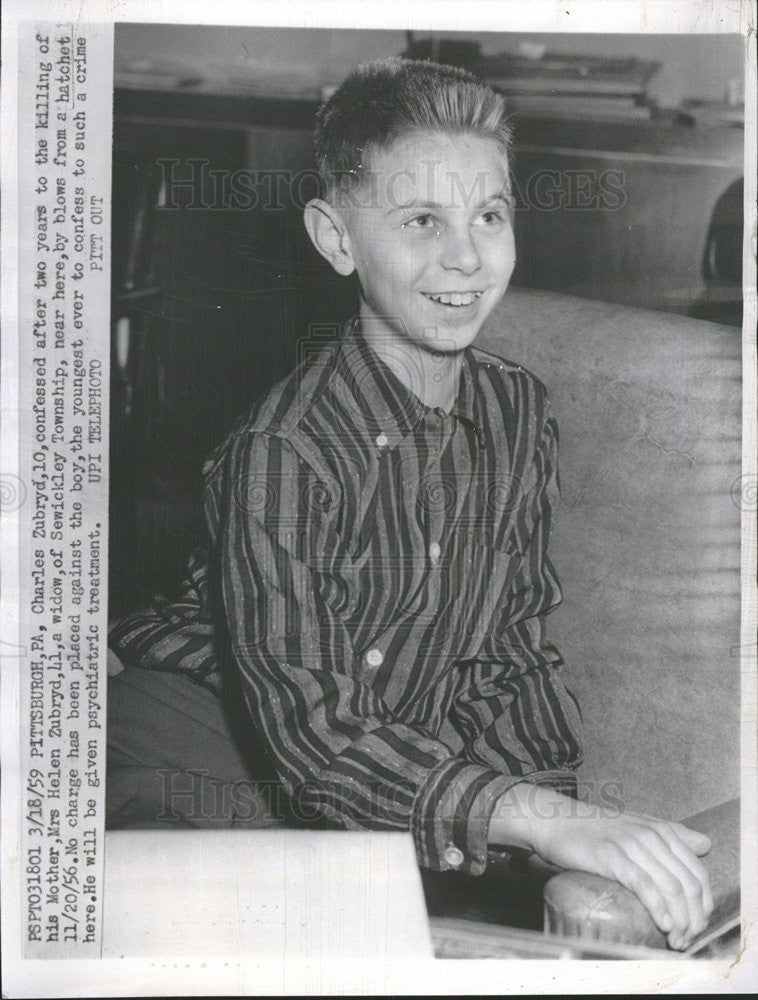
x: 134, y: 977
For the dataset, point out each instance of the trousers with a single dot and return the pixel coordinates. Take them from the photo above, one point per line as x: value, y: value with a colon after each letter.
x: 180, y: 757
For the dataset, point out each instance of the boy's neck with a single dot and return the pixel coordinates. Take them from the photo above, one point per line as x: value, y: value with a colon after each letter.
x: 432, y: 376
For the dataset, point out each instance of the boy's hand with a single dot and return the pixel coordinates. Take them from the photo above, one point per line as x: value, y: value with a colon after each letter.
x: 655, y: 859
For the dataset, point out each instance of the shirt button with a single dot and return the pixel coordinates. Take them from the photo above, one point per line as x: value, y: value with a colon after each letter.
x: 382, y: 440
x: 453, y: 856
x: 434, y: 552
x: 374, y: 658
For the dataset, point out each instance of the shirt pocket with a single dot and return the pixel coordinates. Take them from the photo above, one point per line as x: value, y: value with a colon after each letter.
x: 497, y: 564
x: 483, y: 584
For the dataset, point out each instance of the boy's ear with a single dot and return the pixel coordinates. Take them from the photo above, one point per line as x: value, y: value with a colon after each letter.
x: 329, y: 235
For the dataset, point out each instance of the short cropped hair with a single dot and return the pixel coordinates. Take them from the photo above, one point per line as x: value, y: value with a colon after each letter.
x: 381, y: 101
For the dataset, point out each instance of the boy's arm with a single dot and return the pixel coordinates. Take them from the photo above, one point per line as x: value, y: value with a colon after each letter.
x: 513, y: 707
x: 176, y: 636
x: 338, y: 747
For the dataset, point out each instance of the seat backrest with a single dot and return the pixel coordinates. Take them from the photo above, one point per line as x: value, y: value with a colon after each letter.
x: 647, y: 542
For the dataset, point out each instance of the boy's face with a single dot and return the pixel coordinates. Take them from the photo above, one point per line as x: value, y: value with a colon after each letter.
x: 431, y: 239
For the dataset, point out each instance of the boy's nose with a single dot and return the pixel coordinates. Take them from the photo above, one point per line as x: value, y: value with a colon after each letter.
x: 458, y: 252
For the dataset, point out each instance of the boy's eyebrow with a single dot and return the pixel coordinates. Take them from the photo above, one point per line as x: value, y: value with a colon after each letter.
x: 501, y: 196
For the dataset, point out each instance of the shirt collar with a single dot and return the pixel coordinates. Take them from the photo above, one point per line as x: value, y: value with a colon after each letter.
x: 388, y: 409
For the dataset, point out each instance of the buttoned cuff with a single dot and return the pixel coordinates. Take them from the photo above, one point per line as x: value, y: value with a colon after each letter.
x: 452, y: 812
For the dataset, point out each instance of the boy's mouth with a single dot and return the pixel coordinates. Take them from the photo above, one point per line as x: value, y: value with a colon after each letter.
x: 453, y: 298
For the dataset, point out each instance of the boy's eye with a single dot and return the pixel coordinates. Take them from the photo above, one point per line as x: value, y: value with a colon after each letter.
x: 420, y: 222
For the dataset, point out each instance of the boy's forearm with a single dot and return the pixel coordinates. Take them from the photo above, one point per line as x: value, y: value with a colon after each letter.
x: 513, y: 821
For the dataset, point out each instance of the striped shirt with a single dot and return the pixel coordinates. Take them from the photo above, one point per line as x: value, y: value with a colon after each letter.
x: 384, y: 577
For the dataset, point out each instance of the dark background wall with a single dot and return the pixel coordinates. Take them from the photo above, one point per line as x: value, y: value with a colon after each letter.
x: 693, y: 66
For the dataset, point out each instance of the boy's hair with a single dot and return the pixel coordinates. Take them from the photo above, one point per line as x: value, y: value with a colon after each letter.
x: 381, y: 101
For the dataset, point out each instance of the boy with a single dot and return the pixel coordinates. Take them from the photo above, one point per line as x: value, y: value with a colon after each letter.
x: 379, y: 526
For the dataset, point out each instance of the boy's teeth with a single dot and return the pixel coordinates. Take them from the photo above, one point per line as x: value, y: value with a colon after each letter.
x: 455, y: 298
